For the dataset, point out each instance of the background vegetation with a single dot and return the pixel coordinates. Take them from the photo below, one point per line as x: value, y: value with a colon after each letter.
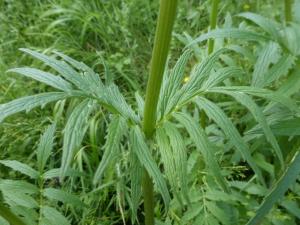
x: 115, y: 39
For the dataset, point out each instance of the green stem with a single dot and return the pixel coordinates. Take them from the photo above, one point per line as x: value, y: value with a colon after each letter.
x: 41, y: 198
x: 162, y: 40
x: 9, y: 216
x: 288, y: 10
x: 163, y: 34
x: 211, y: 44
x: 213, y: 24
x: 148, y: 199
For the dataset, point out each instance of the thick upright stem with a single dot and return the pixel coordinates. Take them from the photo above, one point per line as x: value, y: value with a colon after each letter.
x: 213, y: 24
x: 211, y: 43
x: 163, y: 34
x: 148, y: 199
x: 9, y: 216
x: 162, y: 40
x: 288, y: 10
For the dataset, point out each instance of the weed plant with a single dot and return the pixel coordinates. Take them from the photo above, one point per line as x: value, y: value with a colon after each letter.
x: 216, y: 140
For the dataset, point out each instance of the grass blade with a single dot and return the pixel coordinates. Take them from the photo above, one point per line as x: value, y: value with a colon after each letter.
x: 277, y: 192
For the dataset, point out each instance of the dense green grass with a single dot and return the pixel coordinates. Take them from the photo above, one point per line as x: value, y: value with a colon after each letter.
x: 115, y: 39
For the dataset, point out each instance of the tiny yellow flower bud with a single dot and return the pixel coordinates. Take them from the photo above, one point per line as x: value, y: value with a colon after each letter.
x: 186, y: 79
x: 246, y: 7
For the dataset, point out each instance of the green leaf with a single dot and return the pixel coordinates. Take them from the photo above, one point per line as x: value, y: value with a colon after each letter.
x: 179, y: 156
x: 113, y: 97
x: 269, y: 54
x: 211, y: 220
x: 62, y: 196
x: 55, y: 173
x: 218, y: 212
x: 173, y: 82
x: 230, y: 33
x: 246, y: 101
x: 215, y: 113
x: 19, y: 198
x: 216, y: 195
x: 45, y: 147
x: 289, y: 87
x: 21, y: 167
x: 109, y: 77
x: 89, y: 82
x: 202, y: 71
x: 202, y: 143
x: 192, y: 212
x: 267, y: 25
x: 278, y: 190
x: 279, y: 69
x: 29, y: 102
x: 292, y: 207
x: 142, y: 151
x: 18, y: 186
x: 244, y: 51
x: 221, y: 75
x: 250, y: 188
x: 263, y: 93
x: 198, y: 75
x: 74, y: 132
x: 64, y: 70
x: 140, y: 103
x: 54, y: 217
x: 292, y: 84
x: 89, y: 75
x: 291, y: 36
x: 196, y: 49
x: 30, y: 216
x: 166, y: 154
x: 287, y: 127
x: 44, y: 77
x: 3, y: 221
x: 7, y: 217
x: 115, y: 131
x: 263, y: 163
x: 136, y: 175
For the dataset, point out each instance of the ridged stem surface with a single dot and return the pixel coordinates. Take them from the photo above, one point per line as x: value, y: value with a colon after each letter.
x: 213, y: 24
x: 162, y: 40
x: 163, y: 34
x: 288, y: 10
